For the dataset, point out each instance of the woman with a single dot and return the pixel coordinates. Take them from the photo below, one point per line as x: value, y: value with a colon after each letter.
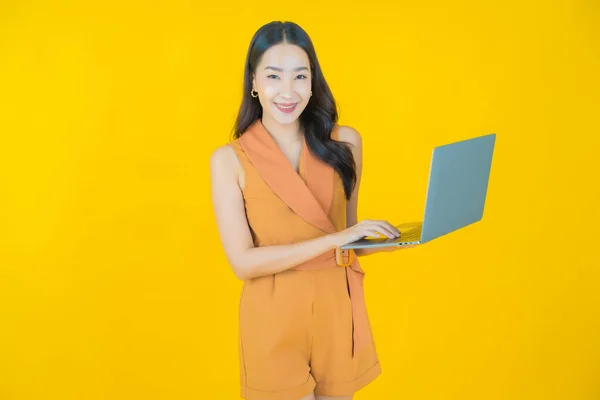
x: 285, y: 194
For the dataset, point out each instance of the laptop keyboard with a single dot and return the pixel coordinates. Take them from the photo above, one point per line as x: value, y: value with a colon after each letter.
x: 411, y: 235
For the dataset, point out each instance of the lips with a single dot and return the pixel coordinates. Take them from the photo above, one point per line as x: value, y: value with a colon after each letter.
x: 286, y: 107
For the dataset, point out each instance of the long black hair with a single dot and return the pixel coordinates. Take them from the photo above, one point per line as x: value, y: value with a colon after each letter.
x: 320, y: 115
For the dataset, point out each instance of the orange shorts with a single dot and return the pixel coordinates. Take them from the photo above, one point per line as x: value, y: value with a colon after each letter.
x: 296, y: 337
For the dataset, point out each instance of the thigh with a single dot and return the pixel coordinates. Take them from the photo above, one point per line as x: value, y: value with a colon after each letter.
x: 274, y: 338
x: 338, y: 371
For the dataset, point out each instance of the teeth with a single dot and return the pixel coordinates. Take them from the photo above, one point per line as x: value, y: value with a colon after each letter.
x: 288, y: 107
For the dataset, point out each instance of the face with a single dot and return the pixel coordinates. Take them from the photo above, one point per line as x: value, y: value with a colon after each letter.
x: 283, y: 82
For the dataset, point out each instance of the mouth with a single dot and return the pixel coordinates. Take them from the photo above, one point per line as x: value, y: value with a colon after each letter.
x: 286, y: 107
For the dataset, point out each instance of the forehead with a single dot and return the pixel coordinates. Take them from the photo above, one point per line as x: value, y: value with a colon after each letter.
x: 287, y: 56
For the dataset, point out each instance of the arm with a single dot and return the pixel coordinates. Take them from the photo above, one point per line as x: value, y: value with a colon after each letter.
x: 246, y: 260
x: 350, y: 135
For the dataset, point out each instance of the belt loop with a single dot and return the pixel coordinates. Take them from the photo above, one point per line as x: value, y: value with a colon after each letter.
x: 344, y: 258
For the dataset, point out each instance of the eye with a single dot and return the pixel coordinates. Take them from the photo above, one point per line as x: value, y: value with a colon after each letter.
x: 275, y: 77
x: 303, y: 76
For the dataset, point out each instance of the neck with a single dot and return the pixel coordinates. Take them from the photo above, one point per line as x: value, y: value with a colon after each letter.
x: 283, y: 134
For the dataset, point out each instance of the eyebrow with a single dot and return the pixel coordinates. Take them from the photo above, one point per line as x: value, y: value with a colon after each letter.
x: 281, y: 69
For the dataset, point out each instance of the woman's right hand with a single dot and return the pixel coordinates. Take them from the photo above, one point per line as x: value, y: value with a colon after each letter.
x: 366, y: 227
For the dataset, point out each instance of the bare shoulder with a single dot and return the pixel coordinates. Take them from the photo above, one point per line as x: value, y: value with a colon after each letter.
x: 350, y: 135
x: 223, y: 160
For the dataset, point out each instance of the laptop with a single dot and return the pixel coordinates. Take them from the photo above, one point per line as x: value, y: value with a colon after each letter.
x: 456, y: 192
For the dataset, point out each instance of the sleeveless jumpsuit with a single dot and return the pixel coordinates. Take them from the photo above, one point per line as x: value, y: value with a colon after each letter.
x: 305, y: 328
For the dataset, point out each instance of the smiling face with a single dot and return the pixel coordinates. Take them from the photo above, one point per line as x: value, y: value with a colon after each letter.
x: 283, y: 82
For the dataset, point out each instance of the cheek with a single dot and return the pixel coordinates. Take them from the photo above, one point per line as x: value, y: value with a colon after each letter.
x: 270, y: 90
x: 304, y: 87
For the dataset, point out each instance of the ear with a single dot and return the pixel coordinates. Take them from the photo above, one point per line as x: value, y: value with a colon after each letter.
x: 253, y: 83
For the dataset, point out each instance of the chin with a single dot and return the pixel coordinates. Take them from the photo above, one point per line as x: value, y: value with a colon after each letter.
x: 286, y: 121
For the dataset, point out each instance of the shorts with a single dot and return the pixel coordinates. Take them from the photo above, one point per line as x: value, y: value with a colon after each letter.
x: 296, y: 337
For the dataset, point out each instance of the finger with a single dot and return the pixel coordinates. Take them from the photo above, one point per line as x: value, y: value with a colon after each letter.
x: 371, y: 232
x: 380, y: 228
x: 392, y: 227
x: 386, y: 230
x: 383, y: 227
x: 389, y: 227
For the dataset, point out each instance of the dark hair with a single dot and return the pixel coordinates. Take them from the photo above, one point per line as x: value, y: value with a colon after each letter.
x: 320, y: 115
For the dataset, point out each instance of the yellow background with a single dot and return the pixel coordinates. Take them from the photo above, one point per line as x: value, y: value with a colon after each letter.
x: 113, y: 284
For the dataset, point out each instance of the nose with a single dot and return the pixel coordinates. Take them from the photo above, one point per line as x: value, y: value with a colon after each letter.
x: 287, y: 88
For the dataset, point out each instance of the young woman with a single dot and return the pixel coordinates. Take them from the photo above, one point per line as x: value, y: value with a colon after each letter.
x: 285, y: 194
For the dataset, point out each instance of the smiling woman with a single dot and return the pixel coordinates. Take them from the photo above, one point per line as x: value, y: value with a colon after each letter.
x: 283, y: 73
x: 285, y: 194
x: 273, y: 89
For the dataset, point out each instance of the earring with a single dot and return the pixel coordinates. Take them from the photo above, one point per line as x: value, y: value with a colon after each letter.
x: 311, y: 92
x: 252, y: 93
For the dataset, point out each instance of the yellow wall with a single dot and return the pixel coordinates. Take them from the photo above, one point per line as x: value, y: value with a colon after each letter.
x: 113, y: 284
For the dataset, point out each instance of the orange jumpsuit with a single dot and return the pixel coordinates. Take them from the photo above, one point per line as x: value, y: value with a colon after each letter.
x: 305, y: 328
